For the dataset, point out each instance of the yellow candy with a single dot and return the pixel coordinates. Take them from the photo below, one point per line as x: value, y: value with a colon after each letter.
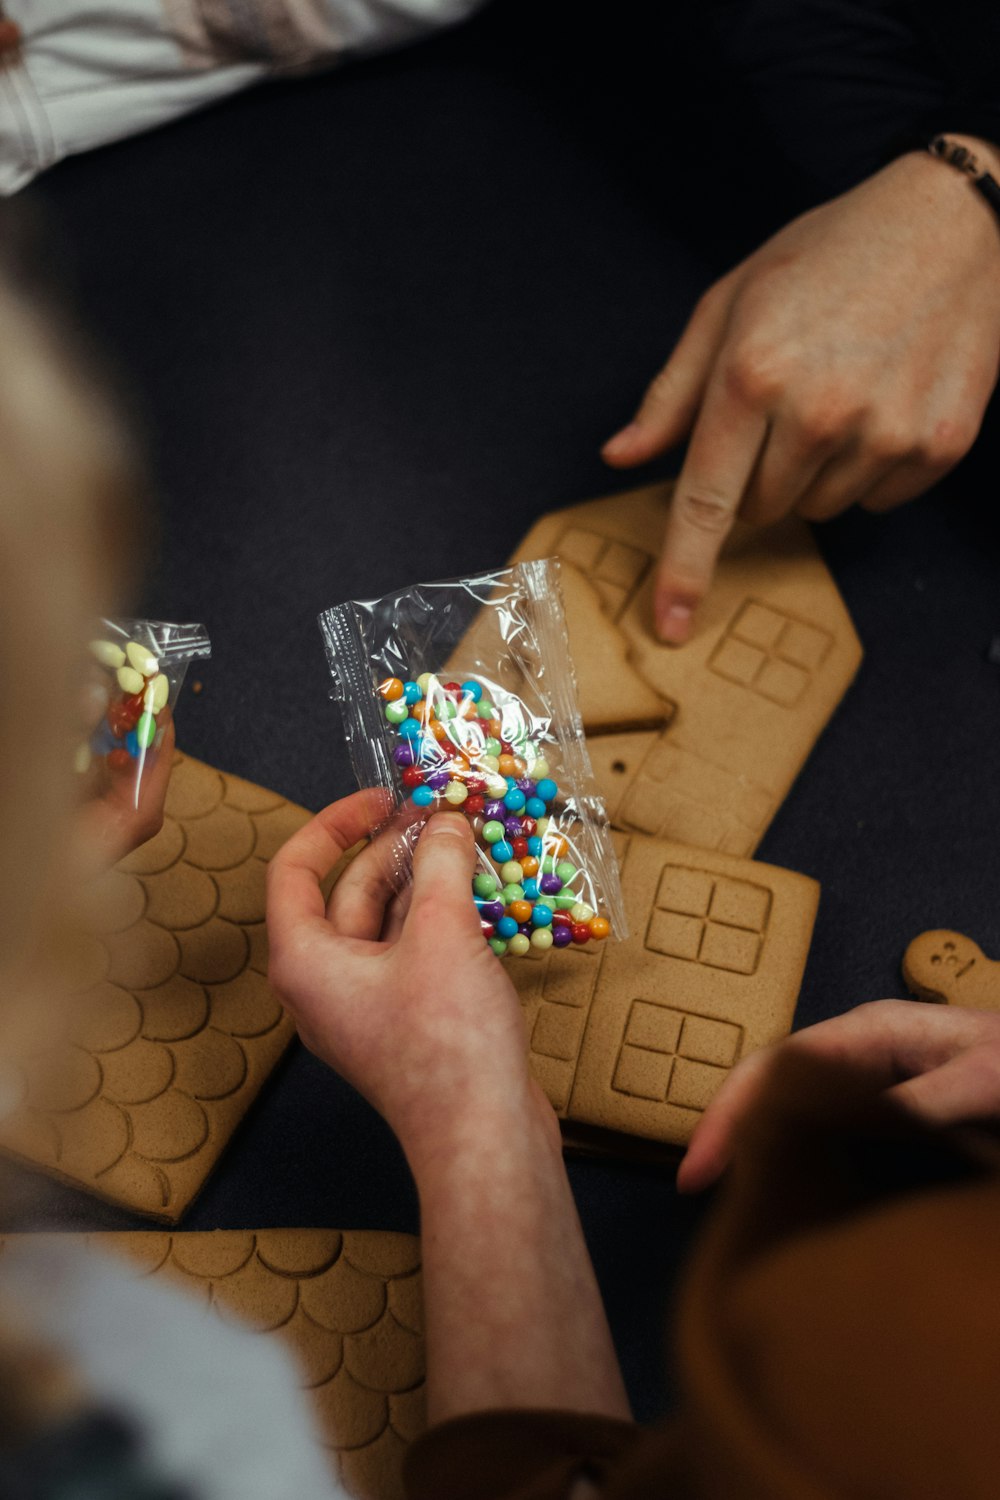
x: 129, y: 680
x: 108, y: 654
x: 496, y: 785
x: 157, y: 693
x: 581, y: 912
x: 490, y: 763
x: 538, y: 769
x: 424, y: 681
x: 142, y: 659
x: 456, y: 793
x: 518, y: 944
x: 541, y: 938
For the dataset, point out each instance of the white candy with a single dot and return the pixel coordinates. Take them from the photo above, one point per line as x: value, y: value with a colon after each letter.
x: 142, y: 659
x: 108, y: 654
x: 129, y: 680
x: 82, y: 758
x: 157, y: 693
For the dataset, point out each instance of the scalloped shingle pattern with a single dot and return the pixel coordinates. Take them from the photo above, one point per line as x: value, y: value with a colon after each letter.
x: 173, y: 1028
x: 348, y: 1304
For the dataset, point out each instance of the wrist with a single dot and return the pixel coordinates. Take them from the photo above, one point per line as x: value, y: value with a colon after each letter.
x: 519, y: 1126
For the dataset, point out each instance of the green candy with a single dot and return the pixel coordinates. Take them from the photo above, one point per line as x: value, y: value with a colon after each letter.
x: 398, y: 711
x: 484, y: 709
x: 512, y: 893
x: 493, y: 832
x: 549, y: 865
x: 565, y: 871
x: 145, y: 730
x: 564, y: 903
x: 446, y: 710
x: 484, y: 885
x: 499, y: 946
x: 492, y: 747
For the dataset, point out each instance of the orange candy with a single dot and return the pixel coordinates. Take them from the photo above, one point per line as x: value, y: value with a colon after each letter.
x: 494, y: 728
x: 529, y: 864
x: 438, y: 730
x: 391, y: 689
x: 599, y: 927
x: 520, y: 911
x: 557, y: 847
x: 509, y: 766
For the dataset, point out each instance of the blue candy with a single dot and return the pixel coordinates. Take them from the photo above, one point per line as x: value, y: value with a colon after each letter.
x: 502, y: 851
x: 534, y: 843
x: 472, y: 690
x: 530, y: 889
x: 506, y: 927
x: 546, y: 789
x: 535, y: 808
x: 541, y: 915
x: 132, y: 744
x: 423, y: 796
x: 410, y: 729
x: 412, y: 693
x: 514, y: 800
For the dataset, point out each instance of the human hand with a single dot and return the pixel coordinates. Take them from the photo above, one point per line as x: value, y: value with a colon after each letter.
x: 847, y: 361
x: 400, y: 995
x: 113, y: 821
x: 940, y: 1062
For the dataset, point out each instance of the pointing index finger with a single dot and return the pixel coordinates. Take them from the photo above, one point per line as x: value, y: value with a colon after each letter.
x: 723, y: 453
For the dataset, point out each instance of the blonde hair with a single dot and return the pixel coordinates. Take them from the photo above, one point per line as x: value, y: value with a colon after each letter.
x: 67, y: 487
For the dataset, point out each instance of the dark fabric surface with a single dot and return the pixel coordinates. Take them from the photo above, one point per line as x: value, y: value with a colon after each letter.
x: 373, y: 324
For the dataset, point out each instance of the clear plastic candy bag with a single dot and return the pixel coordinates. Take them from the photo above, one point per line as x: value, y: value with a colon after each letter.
x: 461, y: 694
x: 137, y: 668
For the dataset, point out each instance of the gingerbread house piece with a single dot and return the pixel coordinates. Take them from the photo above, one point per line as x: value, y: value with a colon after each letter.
x: 348, y: 1306
x: 746, y: 698
x: 136, y: 1081
x: 637, y: 1036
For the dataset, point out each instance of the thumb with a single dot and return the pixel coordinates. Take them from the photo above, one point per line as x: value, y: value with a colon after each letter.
x: 442, y: 876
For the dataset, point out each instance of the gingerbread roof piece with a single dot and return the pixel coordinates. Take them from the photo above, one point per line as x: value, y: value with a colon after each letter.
x: 174, y: 1028
x: 349, y: 1307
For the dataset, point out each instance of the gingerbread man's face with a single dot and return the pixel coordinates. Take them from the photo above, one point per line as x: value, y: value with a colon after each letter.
x: 935, y: 962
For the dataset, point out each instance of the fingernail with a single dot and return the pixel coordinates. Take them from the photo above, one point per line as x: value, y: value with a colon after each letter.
x: 621, y: 440
x: 673, y: 622
x: 443, y: 822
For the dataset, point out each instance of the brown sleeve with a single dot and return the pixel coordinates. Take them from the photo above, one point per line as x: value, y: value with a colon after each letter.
x: 838, y: 1336
x: 517, y: 1455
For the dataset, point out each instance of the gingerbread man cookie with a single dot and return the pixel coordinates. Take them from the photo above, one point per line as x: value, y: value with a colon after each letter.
x: 946, y: 966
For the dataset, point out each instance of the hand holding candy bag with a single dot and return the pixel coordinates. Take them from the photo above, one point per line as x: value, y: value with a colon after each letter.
x: 138, y: 668
x: 501, y: 743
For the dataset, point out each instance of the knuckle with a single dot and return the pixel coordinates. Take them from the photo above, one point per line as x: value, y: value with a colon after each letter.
x: 755, y: 375
x: 888, y: 442
x: 705, y: 511
x: 826, y: 421
x: 950, y: 441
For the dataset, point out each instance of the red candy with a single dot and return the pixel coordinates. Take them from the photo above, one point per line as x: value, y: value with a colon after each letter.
x: 520, y: 848
x: 120, y: 722
x: 119, y: 760
x: 453, y: 687
x: 581, y: 932
x: 488, y: 928
x: 562, y: 919
x: 528, y: 826
x: 413, y: 776
x: 476, y: 785
x: 474, y: 806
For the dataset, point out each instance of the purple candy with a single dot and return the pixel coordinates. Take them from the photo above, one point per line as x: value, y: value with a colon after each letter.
x: 525, y: 929
x: 550, y: 885
x: 493, y: 810
x: 561, y: 936
x: 512, y: 828
x: 491, y: 910
x: 438, y: 780
x: 527, y: 786
x: 403, y: 754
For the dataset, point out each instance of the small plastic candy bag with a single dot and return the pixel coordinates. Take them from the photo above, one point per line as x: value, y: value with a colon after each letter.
x: 135, y: 671
x: 461, y: 695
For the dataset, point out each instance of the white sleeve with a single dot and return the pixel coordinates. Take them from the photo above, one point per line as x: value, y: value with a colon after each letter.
x: 88, y: 73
